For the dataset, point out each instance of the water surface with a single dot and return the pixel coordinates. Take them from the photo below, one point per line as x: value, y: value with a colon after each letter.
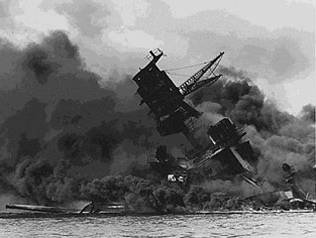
x: 210, y: 225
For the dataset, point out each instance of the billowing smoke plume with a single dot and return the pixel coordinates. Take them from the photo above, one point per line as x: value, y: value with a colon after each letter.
x: 238, y: 98
x: 59, y: 128
x: 63, y: 137
x: 308, y: 113
x: 276, y: 136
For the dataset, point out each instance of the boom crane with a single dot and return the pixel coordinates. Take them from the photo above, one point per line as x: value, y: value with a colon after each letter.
x: 192, y: 83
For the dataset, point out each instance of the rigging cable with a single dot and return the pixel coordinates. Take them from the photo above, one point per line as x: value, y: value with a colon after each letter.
x: 186, y: 67
x: 182, y: 75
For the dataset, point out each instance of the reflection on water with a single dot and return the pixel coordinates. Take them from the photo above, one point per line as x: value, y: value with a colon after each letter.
x: 220, y: 225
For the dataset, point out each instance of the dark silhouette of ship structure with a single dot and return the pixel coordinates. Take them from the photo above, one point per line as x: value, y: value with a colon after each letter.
x: 224, y: 156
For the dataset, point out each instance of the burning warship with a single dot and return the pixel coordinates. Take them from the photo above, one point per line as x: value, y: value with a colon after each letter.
x: 226, y: 154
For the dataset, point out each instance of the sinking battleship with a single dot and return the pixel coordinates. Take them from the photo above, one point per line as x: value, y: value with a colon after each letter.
x: 225, y: 156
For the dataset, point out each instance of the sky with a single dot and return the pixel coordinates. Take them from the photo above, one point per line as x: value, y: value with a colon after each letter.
x: 272, y: 41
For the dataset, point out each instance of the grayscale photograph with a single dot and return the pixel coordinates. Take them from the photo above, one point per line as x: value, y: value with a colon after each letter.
x: 157, y: 118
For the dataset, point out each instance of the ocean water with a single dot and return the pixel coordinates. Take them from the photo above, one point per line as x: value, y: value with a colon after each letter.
x: 208, y: 225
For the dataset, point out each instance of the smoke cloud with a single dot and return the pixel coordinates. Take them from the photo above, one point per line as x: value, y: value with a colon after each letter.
x: 65, y: 136
x: 276, y: 136
x: 59, y: 127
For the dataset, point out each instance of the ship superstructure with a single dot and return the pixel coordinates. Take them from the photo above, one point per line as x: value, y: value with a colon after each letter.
x: 226, y: 153
x: 166, y: 101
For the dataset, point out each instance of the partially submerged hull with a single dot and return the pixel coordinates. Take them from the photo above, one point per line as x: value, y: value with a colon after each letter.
x: 44, y: 209
x: 90, y: 208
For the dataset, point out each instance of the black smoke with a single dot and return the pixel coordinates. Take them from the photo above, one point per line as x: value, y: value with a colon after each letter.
x: 276, y: 136
x: 64, y: 138
x: 59, y: 128
x: 308, y: 113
